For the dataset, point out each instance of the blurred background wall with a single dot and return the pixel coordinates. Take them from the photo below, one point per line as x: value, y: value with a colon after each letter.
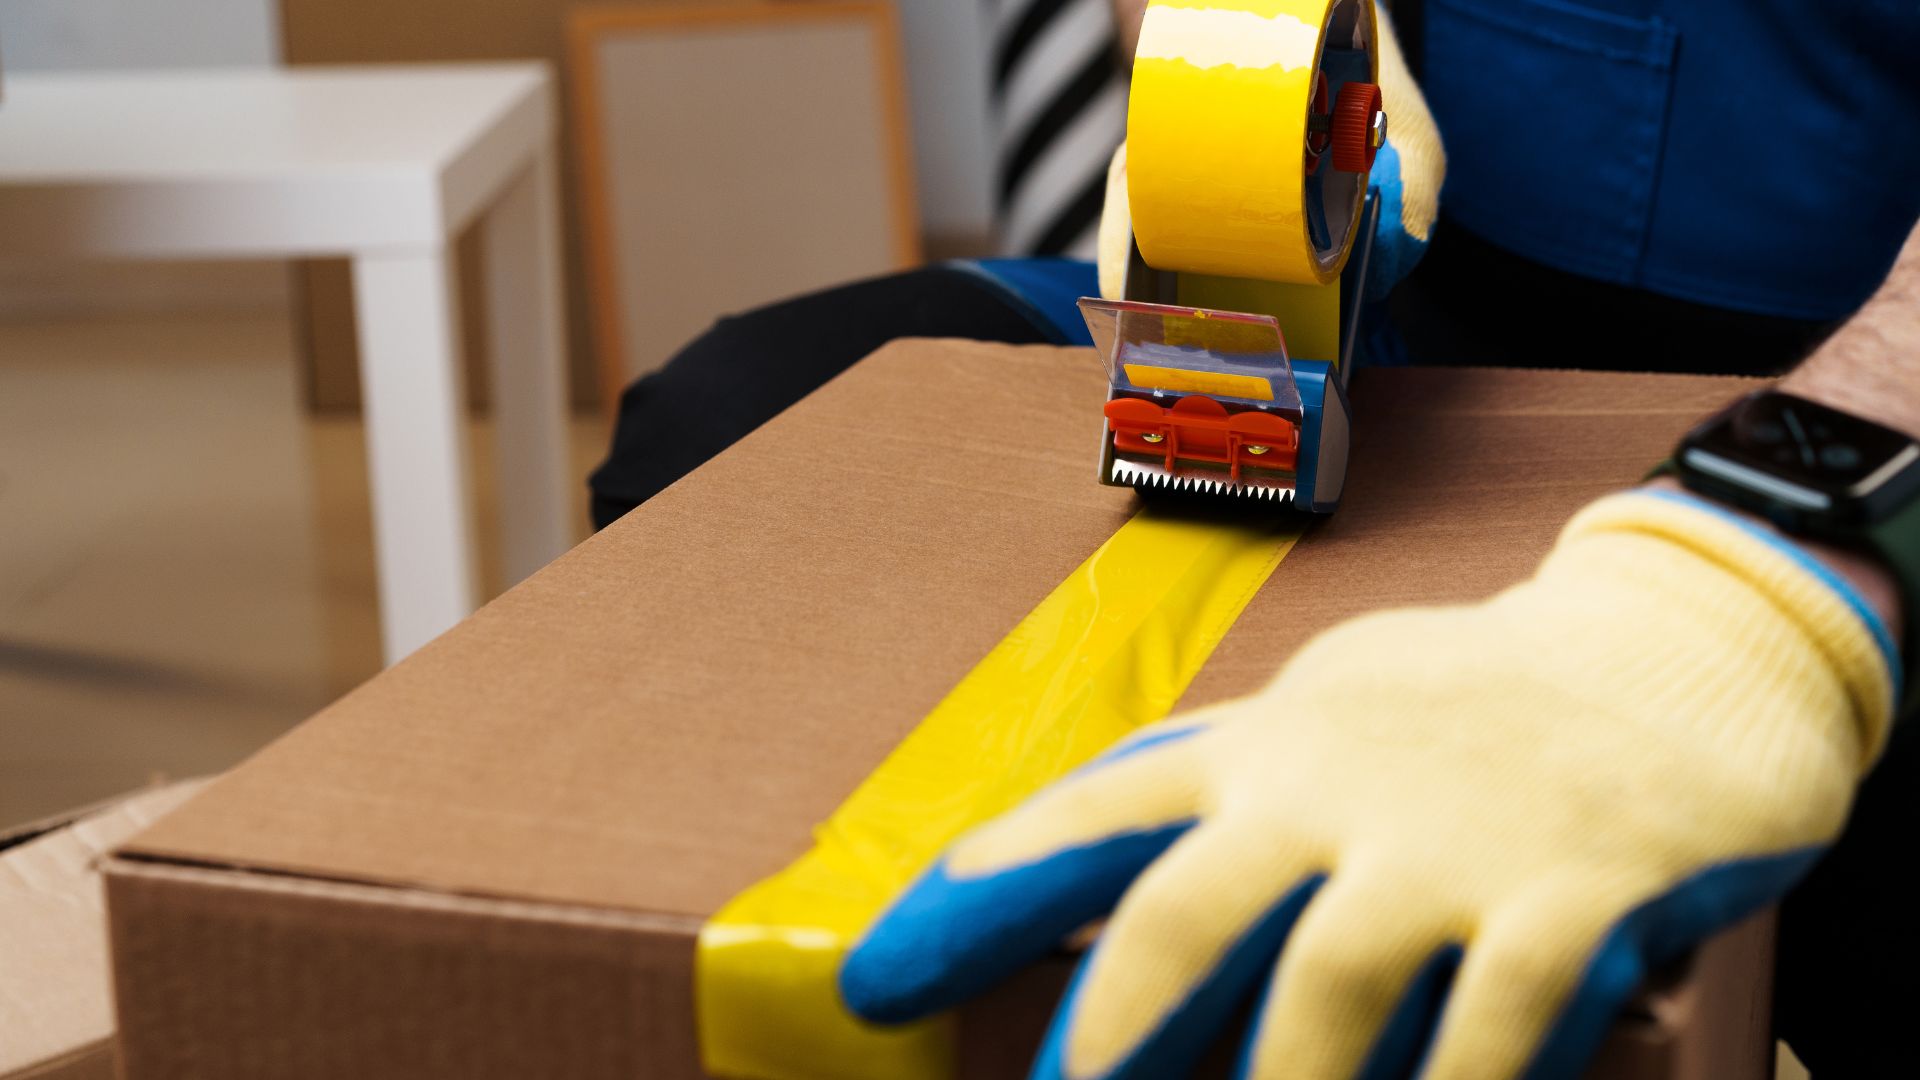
x: 947, y: 77
x: 73, y: 35
x: 43, y: 35
x: 946, y: 54
x: 947, y: 74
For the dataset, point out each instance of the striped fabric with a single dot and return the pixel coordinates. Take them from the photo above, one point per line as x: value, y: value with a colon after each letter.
x: 1062, y: 109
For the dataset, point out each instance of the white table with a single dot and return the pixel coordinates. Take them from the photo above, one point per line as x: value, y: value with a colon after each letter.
x: 383, y: 165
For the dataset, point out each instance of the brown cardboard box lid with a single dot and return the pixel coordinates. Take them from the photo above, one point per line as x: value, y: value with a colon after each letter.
x: 658, y: 719
x: 494, y: 858
x: 56, y: 1015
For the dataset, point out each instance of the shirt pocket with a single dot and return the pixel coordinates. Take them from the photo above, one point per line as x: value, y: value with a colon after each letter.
x: 1553, y: 115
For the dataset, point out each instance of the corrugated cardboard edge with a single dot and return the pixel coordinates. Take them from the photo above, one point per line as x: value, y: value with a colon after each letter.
x: 93, y: 1061
x: 389, y: 981
x: 56, y: 1016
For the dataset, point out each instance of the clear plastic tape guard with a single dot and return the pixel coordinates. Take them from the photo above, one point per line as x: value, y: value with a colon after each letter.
x: 1110, y: 649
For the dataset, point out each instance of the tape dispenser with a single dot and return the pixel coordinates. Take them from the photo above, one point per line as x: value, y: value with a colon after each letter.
x: 1251, y: 129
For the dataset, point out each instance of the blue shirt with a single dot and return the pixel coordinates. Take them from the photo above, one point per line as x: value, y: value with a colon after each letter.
x: 1760, y: 155
x: 1047, y: 289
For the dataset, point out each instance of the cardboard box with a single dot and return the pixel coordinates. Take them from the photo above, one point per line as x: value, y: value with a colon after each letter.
x: 493, y: 859
x: 56, y: 1011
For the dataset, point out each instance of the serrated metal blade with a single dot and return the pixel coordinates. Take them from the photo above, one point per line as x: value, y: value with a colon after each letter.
x: 1199, y: 481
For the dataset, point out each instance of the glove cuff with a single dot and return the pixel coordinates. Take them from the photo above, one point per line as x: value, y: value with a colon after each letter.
x: 1833, y: 615
x: 1413, y: 135
x: 1116, y: 229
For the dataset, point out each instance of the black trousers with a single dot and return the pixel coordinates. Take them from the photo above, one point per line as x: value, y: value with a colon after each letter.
x: 750, y: 367
x: 1849, y: 970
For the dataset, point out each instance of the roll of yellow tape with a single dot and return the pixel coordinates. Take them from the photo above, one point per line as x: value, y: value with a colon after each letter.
x: 1217, y: 128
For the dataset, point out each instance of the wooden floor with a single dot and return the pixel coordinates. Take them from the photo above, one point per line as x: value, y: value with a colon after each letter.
x: 185, y: 553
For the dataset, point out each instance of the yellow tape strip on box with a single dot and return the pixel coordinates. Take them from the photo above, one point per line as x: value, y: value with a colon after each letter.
x: 1112, y: 648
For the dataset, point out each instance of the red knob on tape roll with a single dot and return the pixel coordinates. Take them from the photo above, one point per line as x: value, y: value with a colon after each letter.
x: 1354, y: 116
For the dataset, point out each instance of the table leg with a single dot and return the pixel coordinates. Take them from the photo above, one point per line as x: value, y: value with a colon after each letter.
x: 527, y: 350
x: 407, y: 306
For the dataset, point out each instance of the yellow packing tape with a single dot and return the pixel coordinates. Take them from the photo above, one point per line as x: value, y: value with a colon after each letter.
x: 1309, y: 314
x: 1216, y: 134
x: 1112, y: 648
x: 1184, y: 381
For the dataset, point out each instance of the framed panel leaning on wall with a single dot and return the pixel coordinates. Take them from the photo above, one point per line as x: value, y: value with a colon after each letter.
x: 733, y: 154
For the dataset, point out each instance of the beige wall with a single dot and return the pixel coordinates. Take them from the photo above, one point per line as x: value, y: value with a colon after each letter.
x: 946, y: 73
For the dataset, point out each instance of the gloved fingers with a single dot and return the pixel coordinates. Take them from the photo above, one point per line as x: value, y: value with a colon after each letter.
x: 1519, y: 976
x: 1543, y: 980
x: 1183, y: 951
x: 1358, y: 984
x: 1153, y: 779
x: 1016, y: 887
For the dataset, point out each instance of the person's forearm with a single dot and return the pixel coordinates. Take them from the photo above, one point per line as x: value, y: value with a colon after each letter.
x: 1871, y: 366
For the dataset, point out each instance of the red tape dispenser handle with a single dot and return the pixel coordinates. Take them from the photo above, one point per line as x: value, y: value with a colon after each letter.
x: 1198, y: 428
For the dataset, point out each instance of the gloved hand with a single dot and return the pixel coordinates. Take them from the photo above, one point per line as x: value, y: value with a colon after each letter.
x: 1407, y: 173
x: 1475, y: 827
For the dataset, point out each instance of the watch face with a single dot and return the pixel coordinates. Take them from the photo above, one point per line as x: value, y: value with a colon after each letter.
x: 1798, y: 451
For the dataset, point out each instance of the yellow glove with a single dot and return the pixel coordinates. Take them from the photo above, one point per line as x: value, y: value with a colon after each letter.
x: 1455, y: 836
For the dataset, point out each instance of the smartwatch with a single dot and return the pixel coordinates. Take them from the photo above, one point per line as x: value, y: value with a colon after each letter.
x: 1816, y: 472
